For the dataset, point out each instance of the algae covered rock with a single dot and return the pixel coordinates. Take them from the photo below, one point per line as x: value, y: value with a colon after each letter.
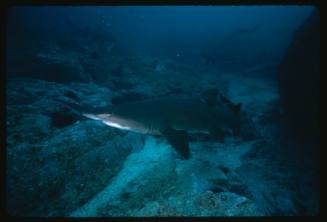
x: 65, y: 170
x: 144, y: 177
x: 299, y: 78
x: 55, y: 161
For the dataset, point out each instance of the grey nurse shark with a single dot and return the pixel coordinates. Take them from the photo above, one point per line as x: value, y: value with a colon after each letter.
x: 174, y: 117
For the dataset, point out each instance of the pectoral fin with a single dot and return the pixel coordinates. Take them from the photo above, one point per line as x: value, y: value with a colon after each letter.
x: 178, y: 140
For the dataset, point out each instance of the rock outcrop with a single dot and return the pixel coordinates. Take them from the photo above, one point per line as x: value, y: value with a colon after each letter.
x: 299, y: 78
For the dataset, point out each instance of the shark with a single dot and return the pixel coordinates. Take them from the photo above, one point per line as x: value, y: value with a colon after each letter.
x: 175, y: 117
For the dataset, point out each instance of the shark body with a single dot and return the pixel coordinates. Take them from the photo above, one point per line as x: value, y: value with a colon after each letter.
x: 173, y: 117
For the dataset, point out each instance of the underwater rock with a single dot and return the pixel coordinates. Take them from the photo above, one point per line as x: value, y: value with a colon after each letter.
x: 227, y: 155
x: 150, y: 175
x: 215, y: 178
x: 255, y: 94
x: 28, y: 128
x: 117, y: 84
x: 80, y: 160
x: 261, y: 176
x: 166, y: 210
x: 60, y: 102
x: 63, y: 118
x: 55, y: 162
x: 144, y: 176
x: 256, y: 151
x: 70, y: 94
x: 50, y: 67
x: 231, y: 204
x: 128, y: 97
x: 217, y: 166
x: 121, y: 70
x: 141, y: 189
x: 63, y: 60
x: 263, y: 70
x: 278, y: 185
x: 19, y: 94
x: 160, y: 67
x: 299, y: 78
x: 203, y: 204
x: 38, y: 96
x: 60, y: 165
x: 236, y: 185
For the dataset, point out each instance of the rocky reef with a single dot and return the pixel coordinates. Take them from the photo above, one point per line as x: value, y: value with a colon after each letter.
x: 59, y: 164
x: 299, y: 78
x: 62, y: 165
x: 55, y: 162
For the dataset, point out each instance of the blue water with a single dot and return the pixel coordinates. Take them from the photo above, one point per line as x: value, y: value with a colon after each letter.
x: 62, y: 61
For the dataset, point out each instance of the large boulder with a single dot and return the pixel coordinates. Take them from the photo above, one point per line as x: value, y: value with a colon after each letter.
x: 145, y: 176
x: 54, y: 100
x: 299, y: 77
x: 55, y: 161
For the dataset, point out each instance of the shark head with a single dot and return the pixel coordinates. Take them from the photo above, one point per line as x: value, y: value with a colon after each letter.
x: 119, y: 121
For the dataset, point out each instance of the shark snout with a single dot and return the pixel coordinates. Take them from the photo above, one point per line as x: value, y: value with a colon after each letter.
x: 94, y: 116
x: 90, y: 116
